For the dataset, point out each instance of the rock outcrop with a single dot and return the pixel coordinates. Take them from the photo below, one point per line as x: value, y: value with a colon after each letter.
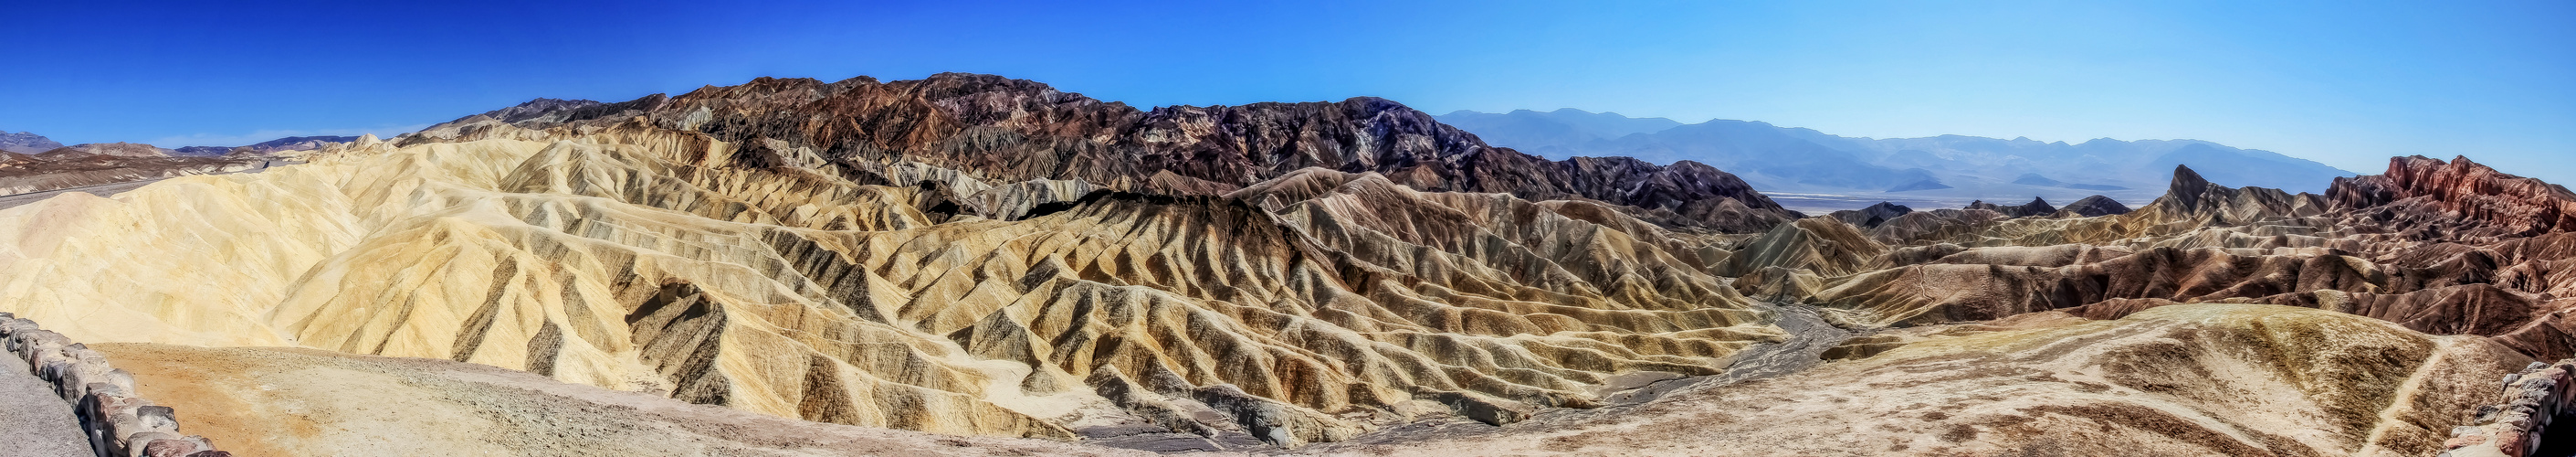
x: 2439, y: 247
x: 2458, y: 199
x: 1826, y: 246
x: 2036, y: 207
x: 1011, y: 130
x: 2536, y: 399
x: 2199, y: 201
x: 2094, y: 206
x: 1873, y: 215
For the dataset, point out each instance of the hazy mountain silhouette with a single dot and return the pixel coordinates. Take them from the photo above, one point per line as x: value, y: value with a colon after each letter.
x: 1787, y: 159
x: 1566, y: 129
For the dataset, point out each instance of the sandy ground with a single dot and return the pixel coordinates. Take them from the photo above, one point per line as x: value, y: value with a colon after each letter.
x: 34, y: 422
x: 2179, y: 380
x: 303, y: 402
x: 2195, y: 380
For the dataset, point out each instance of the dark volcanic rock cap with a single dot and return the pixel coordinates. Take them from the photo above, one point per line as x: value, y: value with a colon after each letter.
x: 1872, y: 215
x: 1017, y: 130
x: 2094, y: 206
x: 2036, y: 207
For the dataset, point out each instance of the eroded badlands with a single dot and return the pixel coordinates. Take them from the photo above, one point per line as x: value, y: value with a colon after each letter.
x: 969, y: 255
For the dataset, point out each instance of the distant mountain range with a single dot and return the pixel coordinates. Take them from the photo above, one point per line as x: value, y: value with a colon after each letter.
x: 31, y: 144
x: 33, y: 163
x: 1944, y: 169
x: 26, y: 143
x: 296, y: 143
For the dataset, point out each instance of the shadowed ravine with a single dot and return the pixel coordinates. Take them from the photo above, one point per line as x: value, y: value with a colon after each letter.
x: 1809, y: 337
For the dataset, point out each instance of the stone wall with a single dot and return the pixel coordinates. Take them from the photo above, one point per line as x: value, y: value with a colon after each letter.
x: 117, y: 422
x: 2532, y: 399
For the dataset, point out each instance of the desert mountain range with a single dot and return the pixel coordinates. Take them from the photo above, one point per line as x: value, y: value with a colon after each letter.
x: 26, y: 143
x: 1947, y: 169
x: 31, y: 163
x: 980, y: 256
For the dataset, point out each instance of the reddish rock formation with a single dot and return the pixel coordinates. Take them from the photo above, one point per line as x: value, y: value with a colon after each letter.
x: 2459, y: 199
x: 2438, y: 247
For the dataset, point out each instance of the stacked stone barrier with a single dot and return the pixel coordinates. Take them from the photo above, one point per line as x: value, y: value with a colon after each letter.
x: 2533, y: 398
x: 117, y: 422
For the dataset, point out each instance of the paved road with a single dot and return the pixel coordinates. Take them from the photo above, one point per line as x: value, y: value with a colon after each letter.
x: 7, y: 201
x: 34, y: 422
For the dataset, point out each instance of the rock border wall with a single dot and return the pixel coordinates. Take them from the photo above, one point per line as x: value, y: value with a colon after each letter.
x: 117, y: 422
x: 2532, y: 398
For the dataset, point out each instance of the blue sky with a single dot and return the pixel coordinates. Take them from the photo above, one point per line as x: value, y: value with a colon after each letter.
x: 2345, y: 83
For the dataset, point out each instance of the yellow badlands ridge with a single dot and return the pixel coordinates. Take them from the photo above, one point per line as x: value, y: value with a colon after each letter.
x: 637, y: 260
x: 2201, y: 379
x: 1316, y: 306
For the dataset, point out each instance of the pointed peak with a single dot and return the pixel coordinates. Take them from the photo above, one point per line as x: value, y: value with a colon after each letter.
x: 2184, y: 178
x: 2187, y: 186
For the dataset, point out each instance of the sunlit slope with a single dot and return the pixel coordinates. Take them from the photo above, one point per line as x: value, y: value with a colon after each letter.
x: 2440, y: 247
x: 643, y: 259
x: 2186, y: 380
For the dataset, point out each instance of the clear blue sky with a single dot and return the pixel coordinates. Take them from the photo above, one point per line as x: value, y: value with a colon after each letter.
x: 2346, y: 83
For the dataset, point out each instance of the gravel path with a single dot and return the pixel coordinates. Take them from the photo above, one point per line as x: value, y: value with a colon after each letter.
x: 1809, y: 336
x: 34, y: 422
